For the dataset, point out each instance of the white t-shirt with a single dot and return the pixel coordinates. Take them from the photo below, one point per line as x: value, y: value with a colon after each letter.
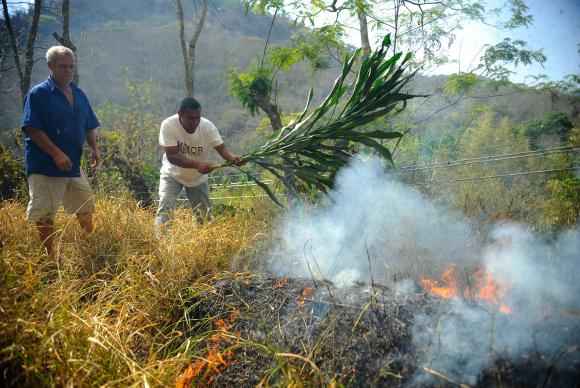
x: 193, y: 146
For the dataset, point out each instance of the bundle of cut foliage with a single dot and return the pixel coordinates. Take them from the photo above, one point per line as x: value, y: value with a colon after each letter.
x: 308, y: 149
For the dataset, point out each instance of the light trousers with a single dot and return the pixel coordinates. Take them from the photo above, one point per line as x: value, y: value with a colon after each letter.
x: 169, y: 190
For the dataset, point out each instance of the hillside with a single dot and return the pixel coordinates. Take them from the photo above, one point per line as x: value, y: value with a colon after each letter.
x: 124, y: 45
x: 137, y: 42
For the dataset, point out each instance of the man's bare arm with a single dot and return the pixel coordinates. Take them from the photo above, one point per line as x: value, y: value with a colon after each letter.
x: 227, y: 155
x: 92, y: 142
x: 42, y: 140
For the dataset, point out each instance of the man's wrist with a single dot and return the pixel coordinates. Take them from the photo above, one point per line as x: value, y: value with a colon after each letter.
x: 56, y: 152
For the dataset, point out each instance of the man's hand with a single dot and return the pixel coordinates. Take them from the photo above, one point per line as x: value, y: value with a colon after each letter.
x: 227, y: 155
x: 205, y: 168
x: 95, y: 159
x: 62, y: 161
x: 238, y: 160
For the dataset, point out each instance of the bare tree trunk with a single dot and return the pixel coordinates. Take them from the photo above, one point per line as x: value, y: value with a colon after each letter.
x: 366, y: 47
x: 24, y: 70
x: 187, y: 80
x: 29, y: 53
x: 397, y: 5
x: 271, y: 111
x: 265, y: 102
x: 5, y: 53
x: 65, y: 39
x: 193, y: 42
x: 12, y: 35
x: 2, y: 63
x: 188, y: 51
x: 364, y: 32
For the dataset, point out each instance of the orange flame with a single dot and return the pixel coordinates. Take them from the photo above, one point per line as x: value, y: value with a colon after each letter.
x: 204, y: 370
x: 306, y: 293
x: 447, y: 288
x: 484, y: 288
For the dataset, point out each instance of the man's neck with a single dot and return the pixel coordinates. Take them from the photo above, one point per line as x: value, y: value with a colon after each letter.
x: 61, y: 86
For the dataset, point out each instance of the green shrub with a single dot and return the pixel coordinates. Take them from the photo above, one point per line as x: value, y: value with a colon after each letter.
x: 12, y: 176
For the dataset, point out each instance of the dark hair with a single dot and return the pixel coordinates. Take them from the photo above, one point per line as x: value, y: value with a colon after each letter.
x: 189, y: 103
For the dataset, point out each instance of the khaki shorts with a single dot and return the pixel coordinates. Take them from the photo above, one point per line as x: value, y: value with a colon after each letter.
x: 47, y: 193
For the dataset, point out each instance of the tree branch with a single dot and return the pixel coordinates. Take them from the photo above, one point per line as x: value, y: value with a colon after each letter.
x: 13, y: 44
x: 193, y: 43
x: 268, y: 38
x: 184, y: 52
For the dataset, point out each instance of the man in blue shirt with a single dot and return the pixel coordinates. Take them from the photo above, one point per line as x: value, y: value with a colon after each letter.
x: 57, y: 120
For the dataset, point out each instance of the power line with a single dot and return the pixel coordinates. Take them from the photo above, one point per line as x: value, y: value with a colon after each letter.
x: 488, y: 158
x: 496, y: 147
x: 511, y: 174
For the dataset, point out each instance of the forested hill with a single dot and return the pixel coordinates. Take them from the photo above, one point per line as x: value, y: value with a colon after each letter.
x: 129, y: 55
x: 136, y: 42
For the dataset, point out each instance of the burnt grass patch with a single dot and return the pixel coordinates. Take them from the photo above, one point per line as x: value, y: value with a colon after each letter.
x: 256, y: 329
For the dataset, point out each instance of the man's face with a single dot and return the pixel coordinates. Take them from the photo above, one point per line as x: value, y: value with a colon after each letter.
x: 62, y: 69
x: 189, y: 119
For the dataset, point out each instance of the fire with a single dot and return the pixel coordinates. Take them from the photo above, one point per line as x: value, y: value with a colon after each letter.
x: 205, y: 369
x: 306, y: 293
x: 447, y: 288
x: 484, y: 288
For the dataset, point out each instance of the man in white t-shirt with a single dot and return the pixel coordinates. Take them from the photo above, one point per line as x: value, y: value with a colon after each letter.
x: 186, y: 139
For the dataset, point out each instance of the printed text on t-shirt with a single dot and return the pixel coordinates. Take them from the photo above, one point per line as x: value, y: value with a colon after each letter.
x: 189, y: 150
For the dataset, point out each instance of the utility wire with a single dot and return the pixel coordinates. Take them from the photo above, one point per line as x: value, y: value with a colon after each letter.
x: 228, y: 182
x: 512, y: 174
x: 500, y: 147
x: 488, y: 158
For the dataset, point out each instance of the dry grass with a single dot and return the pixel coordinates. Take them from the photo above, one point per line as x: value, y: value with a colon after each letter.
x: 105, y: 313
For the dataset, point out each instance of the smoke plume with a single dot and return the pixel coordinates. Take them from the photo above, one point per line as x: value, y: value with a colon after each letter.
x: 375, y: 228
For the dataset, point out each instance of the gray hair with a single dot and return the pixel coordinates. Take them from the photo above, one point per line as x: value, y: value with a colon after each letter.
x: 58, y: 51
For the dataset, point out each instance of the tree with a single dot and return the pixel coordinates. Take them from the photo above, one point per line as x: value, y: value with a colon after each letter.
x: 553, y: 130
x: 256, y: 88
x: 305, y: 150
x: 4, y: 49
x: 422, y: 26
x: 23, y: 61
x: 65, y: 39
x: 188, y: 50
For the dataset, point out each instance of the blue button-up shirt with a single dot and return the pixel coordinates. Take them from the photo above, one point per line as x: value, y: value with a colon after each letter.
x: 46, y: 108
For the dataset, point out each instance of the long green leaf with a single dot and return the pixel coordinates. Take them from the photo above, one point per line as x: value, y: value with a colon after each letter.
x: 305, y: 147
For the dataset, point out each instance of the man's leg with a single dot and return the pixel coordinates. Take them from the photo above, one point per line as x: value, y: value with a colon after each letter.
x: 46, y: 233
x: 169, y: 190
x: 80, y: 200
x: 86, y: 222
x: 45, y: 194
x: 199, y: 199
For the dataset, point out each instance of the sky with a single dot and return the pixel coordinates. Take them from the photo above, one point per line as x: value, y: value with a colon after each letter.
x: 556, y: 29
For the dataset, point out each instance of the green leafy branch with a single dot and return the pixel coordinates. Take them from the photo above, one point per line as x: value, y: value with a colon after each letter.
x: 308, y: 148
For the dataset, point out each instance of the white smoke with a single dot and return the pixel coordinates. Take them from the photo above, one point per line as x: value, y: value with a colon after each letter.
x: 544, y: 283
x: 371, y: 221
x: 374, y: 227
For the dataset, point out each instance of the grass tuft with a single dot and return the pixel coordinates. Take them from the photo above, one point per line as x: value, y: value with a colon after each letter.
x: 104, y: 312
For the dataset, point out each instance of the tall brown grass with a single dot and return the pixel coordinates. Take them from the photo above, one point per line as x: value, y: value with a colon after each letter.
x: 104, y: 312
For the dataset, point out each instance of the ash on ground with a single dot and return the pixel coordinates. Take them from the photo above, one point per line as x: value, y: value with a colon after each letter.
x: 362, y: 336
